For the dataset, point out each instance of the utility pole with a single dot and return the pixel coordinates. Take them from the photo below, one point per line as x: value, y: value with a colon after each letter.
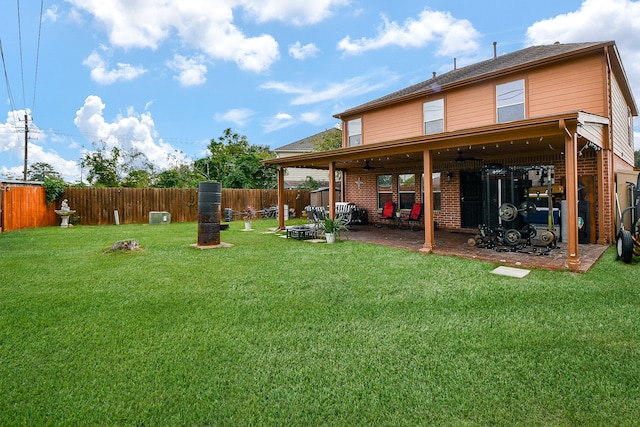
x: 26, y: 143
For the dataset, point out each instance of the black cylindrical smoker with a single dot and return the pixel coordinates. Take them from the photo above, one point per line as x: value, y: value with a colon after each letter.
x: 209, y: 197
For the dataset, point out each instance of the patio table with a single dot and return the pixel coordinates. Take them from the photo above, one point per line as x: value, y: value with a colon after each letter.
x: 301, y: 233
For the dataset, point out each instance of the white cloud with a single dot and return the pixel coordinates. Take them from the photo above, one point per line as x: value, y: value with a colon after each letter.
x: 133, y: 133
x: 51, y: 14
x: 313, y: 118
x: 279, y: 121
x: 349, y: 88
x: 200, y: 25
x: 192, y: 71
x: 298, y: 51
x: 12, y: 149
x: 453, y: 35
x: 292, y: 11
x: 239, y: 116
x: 598, y: 20
x: 100, y: 74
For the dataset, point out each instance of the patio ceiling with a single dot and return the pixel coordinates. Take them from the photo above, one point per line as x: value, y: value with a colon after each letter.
x: 487, y: 144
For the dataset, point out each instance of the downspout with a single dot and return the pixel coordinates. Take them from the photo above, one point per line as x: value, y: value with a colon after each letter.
x: 607, y: 216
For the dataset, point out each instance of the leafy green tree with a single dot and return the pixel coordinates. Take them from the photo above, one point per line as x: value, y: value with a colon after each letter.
x: 308, y: 184
x: 637, y: 156
x: 54, y: 189
x: 39, y: 171
x: 329, y: 140
x: 181, y: 176
x: 236, y: 164
x: 117, y: 168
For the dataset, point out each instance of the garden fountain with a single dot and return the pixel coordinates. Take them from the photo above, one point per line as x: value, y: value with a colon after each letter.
x: 64, y: 213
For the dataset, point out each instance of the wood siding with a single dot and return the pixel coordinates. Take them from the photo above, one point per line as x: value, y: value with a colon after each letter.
x: 622, y: 142
x: 470, y: 107
x: 400, y: 121
x: 577, y: 84
x: 570, y: 86
x: 25, y: 207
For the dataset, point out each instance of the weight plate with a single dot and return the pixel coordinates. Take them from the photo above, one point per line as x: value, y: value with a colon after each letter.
x: 547, y: 237
x: 512, y: 236
x: 508, y: 212
x: 528, y: 208
x: 529, y: 231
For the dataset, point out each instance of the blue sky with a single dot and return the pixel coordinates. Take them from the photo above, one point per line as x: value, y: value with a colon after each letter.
x: 164, y: 77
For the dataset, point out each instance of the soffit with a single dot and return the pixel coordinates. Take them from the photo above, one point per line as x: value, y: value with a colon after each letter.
x: 529, y: 137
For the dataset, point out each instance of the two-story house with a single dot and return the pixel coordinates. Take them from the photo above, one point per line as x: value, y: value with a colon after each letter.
x: 546, y: 125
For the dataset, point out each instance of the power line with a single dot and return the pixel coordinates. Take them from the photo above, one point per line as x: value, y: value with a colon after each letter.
x: 24, y: 98
x: 35, y: 80
x: 6, y: 78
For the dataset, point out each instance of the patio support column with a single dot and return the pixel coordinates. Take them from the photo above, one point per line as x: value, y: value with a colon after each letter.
x: 571, y: 160
x: 604, y: 215
x: 429, y: 231
x: 281, y: 197
x: 332, y: 190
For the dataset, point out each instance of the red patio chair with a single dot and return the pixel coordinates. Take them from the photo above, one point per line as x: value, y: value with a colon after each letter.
x: 388, y: 215
x: 414, y: 216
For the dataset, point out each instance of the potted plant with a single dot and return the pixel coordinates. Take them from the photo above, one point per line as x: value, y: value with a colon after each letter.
x: 333, y: 227
x: 248, y: 216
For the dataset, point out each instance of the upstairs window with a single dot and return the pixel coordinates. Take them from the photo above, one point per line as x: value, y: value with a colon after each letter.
x: 433, y: 112
x: 354, y: 128
x: 510, y: 101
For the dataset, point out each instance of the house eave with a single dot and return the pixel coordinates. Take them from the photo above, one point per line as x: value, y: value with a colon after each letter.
x: 540, y: 127
x: 481, y: 78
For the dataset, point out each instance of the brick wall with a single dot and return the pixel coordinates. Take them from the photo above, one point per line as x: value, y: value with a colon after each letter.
x: 449, y: 216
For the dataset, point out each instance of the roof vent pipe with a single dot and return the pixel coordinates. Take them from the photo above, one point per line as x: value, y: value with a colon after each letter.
x: 495, y: 50
x: 434, y: 75
x: 454, y: 64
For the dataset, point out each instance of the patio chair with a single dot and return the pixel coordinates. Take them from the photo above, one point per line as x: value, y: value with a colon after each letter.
x: 388, y: 215
x: 413, y: 220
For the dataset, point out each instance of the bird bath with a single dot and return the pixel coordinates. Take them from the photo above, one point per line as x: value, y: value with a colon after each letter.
x: 65, y: 213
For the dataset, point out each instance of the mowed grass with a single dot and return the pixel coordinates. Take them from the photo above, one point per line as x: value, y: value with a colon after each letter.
x: 276, y: 331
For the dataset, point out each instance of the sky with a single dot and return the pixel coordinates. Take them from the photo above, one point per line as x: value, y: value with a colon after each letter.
x: 164, y: 77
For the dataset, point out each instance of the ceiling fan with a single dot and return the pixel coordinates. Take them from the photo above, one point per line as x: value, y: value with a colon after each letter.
x: 368, y: 167
x: 462, y: 159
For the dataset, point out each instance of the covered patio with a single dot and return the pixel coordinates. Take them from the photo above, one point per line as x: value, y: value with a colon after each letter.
x: 562, y: 140
x: 454, y: 243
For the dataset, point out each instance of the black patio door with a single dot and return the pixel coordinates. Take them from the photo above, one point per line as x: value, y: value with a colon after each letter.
x: 470, y: 199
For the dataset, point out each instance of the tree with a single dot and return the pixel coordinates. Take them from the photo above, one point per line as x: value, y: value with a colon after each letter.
x: 236, y: 164
x: 39, y: 171
x: 116, y: 168
x: 637, y: 156
x: 181, y: 176
x: 328, y: 140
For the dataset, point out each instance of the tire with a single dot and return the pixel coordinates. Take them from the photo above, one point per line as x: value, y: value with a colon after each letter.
x: 625, y: 246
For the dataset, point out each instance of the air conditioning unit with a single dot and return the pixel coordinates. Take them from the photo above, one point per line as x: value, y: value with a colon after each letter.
x: 156, y: 217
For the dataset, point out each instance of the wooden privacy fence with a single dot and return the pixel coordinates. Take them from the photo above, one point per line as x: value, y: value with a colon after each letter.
x: 24, y: 207
x: 97, y: 205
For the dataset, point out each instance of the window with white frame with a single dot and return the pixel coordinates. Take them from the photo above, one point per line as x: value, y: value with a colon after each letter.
x: 385, y: 193
x: 406, y: 191
x: 354, y: 127
x: 510, y: 101
x: 433, y: 112
x: 631, y: 136
x: 437, y: 190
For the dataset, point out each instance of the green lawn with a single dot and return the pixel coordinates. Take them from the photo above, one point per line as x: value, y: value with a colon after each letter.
x: 282, y: 332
